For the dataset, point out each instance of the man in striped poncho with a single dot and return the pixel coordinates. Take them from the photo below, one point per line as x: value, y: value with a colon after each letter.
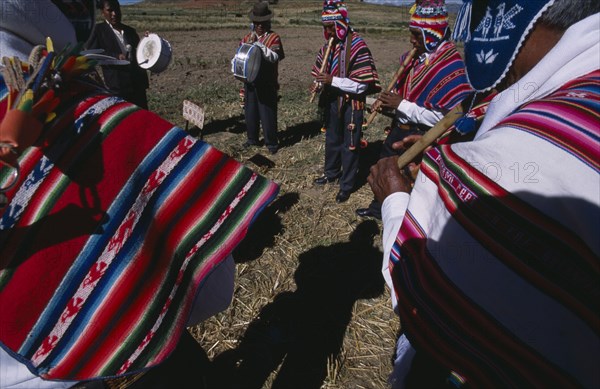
x: 116, y: 227
x: 493, y: 256
x: 432, y: 83
x: 348, y: 77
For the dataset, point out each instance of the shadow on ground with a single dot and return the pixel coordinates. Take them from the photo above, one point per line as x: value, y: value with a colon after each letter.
x: 234, y: 124
x: 295, y: 134
x: 294, y: 335
x: 264, y: 229
x: 299, y: 331
x: 368, y: 157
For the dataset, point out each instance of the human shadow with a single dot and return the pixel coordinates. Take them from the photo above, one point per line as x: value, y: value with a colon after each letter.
x: 368, y: 157
x: 263, y: 230
x: 296, y: 133
x: 186, y: 367
x: 234, y: 124
x: 300, y: 331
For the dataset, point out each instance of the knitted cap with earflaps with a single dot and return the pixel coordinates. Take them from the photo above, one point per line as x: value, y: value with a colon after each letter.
x: 431, y: 17
x: 493, y: 32
x: 335, y: 11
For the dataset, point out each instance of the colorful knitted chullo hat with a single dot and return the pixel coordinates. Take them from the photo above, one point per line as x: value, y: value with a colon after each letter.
x: 335, y: 11
x: 493, y: 32
x: 431, y: 17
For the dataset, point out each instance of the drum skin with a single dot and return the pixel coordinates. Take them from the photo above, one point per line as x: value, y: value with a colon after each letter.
x: 154, y: 53
x: 246, y: 62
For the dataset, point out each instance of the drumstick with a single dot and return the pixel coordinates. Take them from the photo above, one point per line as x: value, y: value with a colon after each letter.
x: 430, y: 136
x: 392, y: 83
x: 323, y: 64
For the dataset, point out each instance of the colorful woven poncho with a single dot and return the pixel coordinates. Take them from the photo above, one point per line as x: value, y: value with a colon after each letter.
x: 437, y: 83
x: 493, y: 285
x: 361, y: 67
x: 116, y: 221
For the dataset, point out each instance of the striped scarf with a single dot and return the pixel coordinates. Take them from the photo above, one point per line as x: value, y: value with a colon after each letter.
x: 437, y: 83
x: 118, y: 219
x: 442, y: 307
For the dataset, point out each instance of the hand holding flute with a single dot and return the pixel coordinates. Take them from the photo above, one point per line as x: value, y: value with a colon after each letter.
x: 391, y: 175
x: 387, y: 99
x: 321, y: 77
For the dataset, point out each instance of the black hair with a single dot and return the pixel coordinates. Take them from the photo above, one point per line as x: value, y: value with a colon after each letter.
x: 564, y: 13
x: 100, y: 3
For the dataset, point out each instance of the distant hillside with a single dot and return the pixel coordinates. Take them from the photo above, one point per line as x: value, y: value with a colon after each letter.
x: 453, y: 5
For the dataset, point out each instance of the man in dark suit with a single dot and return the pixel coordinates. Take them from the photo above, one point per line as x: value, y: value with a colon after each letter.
x: 120, y: 41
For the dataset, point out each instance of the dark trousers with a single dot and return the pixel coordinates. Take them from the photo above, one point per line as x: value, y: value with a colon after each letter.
x: 340, y: 160
x: 395, y: 135
x: 260, y: 108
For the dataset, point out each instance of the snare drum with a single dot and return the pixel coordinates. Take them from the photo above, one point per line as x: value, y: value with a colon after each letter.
x: 246, y: 62
x: 154, y: 53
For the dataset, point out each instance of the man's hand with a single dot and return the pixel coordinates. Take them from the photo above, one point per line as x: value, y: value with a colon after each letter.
x: 315, y: 87
x: 385, y: 178
x: 376, y: 106
x: 390, y: 100
x: 324, y: 78
x: 407, y: 142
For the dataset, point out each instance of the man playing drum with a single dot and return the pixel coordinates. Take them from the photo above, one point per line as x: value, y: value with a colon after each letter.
x: 120, y: 41
x: 260, y: 96
x: 348, y: 74
x: 431, y: 84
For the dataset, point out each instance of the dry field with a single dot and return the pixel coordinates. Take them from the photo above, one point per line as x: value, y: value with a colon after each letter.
x: 310, y: 307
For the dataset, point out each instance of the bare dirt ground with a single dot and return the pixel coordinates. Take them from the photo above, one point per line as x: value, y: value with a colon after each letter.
x: 310, y: 307
x: 202, y: 58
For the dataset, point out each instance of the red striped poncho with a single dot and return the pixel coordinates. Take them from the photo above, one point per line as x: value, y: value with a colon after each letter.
x: 361, y: 67
x: 437, y: 83
x: 117, y: 220
x: 489, y: 282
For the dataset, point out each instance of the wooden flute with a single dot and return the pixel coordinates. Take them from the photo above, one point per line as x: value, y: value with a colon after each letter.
x: 323, y: 64
x: 377, y: 103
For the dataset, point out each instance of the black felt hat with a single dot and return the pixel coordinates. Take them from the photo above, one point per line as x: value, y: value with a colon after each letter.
x: 260, y: 12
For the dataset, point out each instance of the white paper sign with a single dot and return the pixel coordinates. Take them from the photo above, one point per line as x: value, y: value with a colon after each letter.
x: 193, y: 113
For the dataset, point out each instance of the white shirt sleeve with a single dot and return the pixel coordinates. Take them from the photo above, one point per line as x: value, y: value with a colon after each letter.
x: 267, y: 53
x: 348, y: 86
x: 392, y: 213
x: 15, y: 375
x: 411, y: 112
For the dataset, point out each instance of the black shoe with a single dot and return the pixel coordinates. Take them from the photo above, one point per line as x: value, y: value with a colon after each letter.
x: 324, y: 180
x: 368, y: 212
x: 249, y: 144
x: 364, y: 212
x: 342, y: 196
x: 273, y: 150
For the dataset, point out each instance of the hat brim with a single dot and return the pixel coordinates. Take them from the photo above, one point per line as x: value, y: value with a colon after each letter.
x: 264, y: 18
